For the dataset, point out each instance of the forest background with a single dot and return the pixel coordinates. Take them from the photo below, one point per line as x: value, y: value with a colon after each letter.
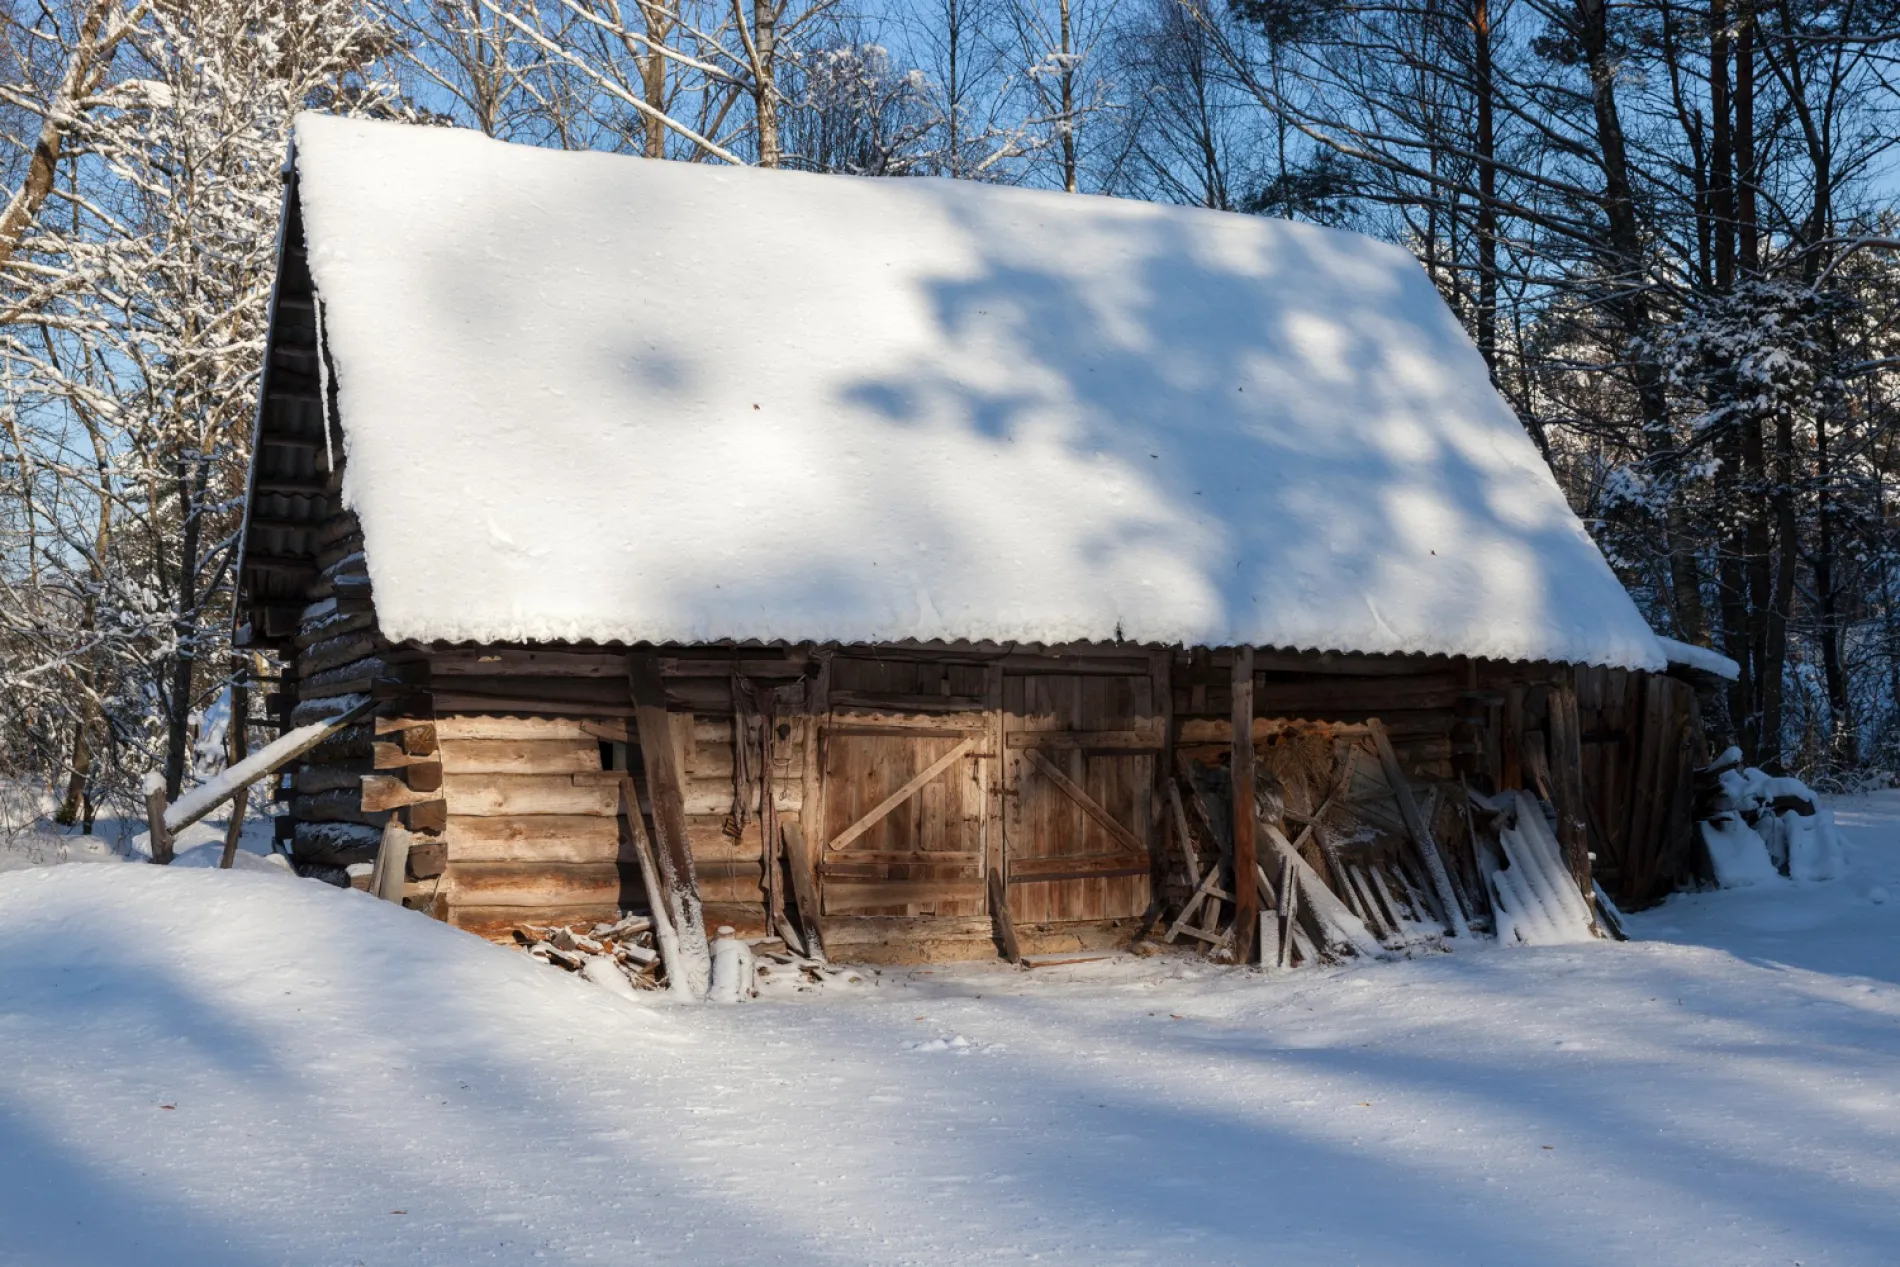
x: 1672, y: 229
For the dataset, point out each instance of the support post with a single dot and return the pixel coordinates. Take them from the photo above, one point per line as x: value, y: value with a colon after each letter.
x: 674, y: 855
x: 1566, y: 784
x: 155, y: 822
x: 237, y: 746
x: 1246, y: 897
x: 392, y: 863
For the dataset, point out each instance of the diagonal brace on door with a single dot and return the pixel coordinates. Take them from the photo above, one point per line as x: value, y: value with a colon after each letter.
x: 1090, y: 806
x: 904, y: 793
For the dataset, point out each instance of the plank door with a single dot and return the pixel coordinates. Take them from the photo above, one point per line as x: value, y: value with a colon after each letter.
x: 1080, y: 771
x: 905, y: 755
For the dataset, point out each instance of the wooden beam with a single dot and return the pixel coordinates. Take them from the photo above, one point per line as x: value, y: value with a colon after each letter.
x: 1095, y: 740
x: 904, y: 793
x: 665, y: 936
x: 804, y: 893
x: 674, y: 854
x: 1246, y: 897
x: 1090, y: 806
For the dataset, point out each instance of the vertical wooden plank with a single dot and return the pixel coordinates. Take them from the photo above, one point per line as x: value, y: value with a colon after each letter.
x: 1247, y: 896
x: 1512, y: 756
x: 1566, y: 784
x: 675, y: 854
x: 1640, y: 849
x: 998, y: 766
x: 237, y: 747
x: 804, y: 894
x: 811, y: 809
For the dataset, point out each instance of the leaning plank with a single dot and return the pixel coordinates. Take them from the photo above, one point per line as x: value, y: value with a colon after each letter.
x: 904, y: 793
x: 1183, y: 835
x: 1420, y: 831
x: 798, y: 859
x: 266, y: 761
x: 1289, y: 915
x: 663, y: 932
x: 673, y: 851
x: 1090, y: 806
x: 1208, y: 887
x: 1339, y: 925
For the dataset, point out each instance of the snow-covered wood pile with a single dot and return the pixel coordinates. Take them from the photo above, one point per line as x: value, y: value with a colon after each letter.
x: 1754, y: 826
x: 628, y: 955
x: 1358, y: 860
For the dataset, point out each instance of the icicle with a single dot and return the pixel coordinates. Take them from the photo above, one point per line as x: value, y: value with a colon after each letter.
x: 323, y: 388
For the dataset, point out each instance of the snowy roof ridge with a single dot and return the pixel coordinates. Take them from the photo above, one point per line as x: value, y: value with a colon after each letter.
x: 598, y: 398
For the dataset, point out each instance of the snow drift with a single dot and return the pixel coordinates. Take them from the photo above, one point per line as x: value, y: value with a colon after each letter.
x: 598, y: 397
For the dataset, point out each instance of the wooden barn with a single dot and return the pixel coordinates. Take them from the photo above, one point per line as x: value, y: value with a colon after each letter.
x: 933, y: 566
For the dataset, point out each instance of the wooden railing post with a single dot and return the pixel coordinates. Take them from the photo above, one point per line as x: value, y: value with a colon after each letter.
x: 161, y: 838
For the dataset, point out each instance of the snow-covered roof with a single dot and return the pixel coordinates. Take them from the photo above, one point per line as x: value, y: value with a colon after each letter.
x: 1690, y: 656
x: 593, y: 397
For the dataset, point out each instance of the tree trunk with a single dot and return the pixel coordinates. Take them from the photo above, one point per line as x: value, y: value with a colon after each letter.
x: 765, y: 89
x: 1068, y: 102
x: 1487, y: 314
x: 185, y: 626
x: 87, y: 58
x: 659, y: 25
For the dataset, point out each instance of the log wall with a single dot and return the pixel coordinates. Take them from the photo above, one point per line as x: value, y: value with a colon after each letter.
x: 510, y: 759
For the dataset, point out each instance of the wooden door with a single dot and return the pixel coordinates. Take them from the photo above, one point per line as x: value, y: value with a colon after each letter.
x: 906, y: 766
x: 1080, y: 770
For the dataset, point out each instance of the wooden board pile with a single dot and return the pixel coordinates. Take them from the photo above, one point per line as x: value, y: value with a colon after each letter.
x: 1357, y: 860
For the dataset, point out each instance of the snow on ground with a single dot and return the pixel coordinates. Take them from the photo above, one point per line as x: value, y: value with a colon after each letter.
x: 30, y: 838
x: 249, y: 1068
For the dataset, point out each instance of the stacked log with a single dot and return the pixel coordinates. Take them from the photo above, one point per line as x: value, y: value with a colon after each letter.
x: 339, y: 800
x: 535, y: 745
